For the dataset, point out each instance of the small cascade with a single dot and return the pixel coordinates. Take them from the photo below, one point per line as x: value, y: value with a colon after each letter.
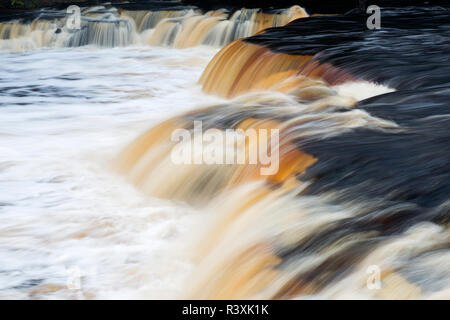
x: 241, y: 67
x: 146, y: 20
x: 244, y: 250
x: 362, y: 177
x: 325, y: 154
x: 111, y: 27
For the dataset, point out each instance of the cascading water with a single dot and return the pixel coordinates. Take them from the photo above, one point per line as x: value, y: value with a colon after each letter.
x: 328, y: 215
x: 101, y: 29
x: 215, y: 29
x: 112, y: 27
x: 362, y: 149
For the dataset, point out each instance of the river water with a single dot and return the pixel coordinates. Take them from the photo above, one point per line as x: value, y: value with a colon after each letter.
x: 92, y: 208
x: 64, y: 213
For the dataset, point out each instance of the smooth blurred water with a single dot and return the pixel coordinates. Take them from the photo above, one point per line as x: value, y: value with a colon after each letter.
x: 64, y: 115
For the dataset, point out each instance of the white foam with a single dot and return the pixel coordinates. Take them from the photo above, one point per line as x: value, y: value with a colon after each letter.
x: 361, y: 90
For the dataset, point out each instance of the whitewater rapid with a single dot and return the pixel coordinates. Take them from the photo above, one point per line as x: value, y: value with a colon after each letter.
x: 70, y: 227
x: 87, y: 114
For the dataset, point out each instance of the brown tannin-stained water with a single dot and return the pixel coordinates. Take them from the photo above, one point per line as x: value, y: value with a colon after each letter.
x: 95, y: 205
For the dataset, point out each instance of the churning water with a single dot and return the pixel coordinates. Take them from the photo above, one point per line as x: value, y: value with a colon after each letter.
x: 65, y: 114
x: 363, y: 155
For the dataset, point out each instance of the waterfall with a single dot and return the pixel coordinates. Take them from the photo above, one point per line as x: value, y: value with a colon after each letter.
x: 111, y: 27
x: 362, y: 181
x: 215, y: 28
x: 261, y: 154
